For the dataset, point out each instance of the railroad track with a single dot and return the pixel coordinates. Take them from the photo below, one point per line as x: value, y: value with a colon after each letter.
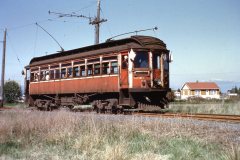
x: 6, y: 108
x: 206, y: 117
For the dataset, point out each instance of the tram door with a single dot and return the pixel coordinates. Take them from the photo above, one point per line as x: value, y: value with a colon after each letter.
x: 124, y: 71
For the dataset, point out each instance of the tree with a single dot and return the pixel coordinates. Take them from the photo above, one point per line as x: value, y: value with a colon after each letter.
x: 12, y: 91
x: 235, y: 90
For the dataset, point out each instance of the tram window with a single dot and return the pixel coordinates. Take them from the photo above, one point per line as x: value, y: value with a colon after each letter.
x: 114, y: 67
x: 57, y: 74
x: 40, y: 76
x: 43, y: 75
x: 51, y: 74
x: 36, y: 76
x: 105, y: 68
x: 141, y: 59
x: 90, y: 70
x: 96, y: 69
x: 124, y: 62
x: 63, y: 73
x: 32, y: 77
x: 47, y: 77
x: 69, y: 72
x: 156, y: 61
x: 83, y: 73
x: 165, y: 62
x: 76, y: 72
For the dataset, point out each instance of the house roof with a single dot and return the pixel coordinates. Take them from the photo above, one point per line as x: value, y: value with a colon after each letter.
x: 202, y: 85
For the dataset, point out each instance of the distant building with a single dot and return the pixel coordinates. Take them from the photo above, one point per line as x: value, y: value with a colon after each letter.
x: 231, y: 95
x: 177, y: 95
x: 207, y: 90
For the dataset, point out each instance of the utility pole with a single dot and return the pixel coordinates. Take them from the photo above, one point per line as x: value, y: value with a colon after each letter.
x: 3, y: 67
x: 96, y: 21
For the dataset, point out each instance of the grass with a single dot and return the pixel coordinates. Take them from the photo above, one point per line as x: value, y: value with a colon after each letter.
x: 16, y: 105
x: 228, y: 108
x: 67, y: 135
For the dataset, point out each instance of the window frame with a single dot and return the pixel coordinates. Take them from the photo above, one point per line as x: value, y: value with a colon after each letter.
x: 138, y: 64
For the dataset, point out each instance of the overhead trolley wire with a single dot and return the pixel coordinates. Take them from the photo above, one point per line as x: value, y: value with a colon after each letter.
x: 31, y: 24
x: 88, y: 6
x: 108, y: 26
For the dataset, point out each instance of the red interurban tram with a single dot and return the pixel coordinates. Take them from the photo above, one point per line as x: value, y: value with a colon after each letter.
x: 115, y: 76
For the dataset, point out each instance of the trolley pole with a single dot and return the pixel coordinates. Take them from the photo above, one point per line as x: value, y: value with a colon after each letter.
x: 3, y: 67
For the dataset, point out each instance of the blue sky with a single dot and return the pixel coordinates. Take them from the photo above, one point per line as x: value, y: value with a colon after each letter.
x: 203, y: 35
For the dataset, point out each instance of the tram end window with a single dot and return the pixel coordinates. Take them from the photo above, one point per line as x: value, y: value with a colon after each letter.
x: 141, y: 59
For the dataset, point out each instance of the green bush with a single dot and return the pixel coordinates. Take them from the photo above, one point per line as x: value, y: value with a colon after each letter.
x: 12, y: 91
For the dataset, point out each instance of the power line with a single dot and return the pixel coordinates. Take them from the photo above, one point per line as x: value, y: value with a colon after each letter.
x: 35, y: 41
x: 14, y: 51
x: 109, y: 29
x: 88, y: 6
x: 41, y: 21
x: 64, y: 21
x: 30, y: 24
x: 45, y: 20
x: 96, y: 21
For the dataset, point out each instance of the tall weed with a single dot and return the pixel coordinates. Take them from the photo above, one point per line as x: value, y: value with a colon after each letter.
x: 68, y: 135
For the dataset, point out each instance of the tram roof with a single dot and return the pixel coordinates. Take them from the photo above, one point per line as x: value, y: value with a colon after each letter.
x: 106, y: 47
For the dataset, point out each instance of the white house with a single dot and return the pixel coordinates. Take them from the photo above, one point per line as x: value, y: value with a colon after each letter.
x: 207, y: 90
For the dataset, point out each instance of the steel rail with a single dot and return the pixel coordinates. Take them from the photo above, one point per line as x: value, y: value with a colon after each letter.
x: 208, y: 117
